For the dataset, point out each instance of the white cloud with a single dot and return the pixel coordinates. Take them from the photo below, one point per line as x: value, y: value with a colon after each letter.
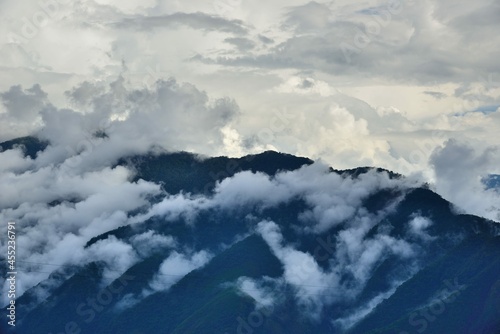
x: 300, y: 270
x: 357, y: 315
x: 172, y: 270
x: 331, y: 198
x: 263, y: 295
x: 459, y: 168
x: 150, y: 242
x: 14, y: 161
x: 60, y: 207
x: 418, y: 226
x: 175, y: 267
x: 118, y: 256
x: 57, y: 210
x: 351, y: 266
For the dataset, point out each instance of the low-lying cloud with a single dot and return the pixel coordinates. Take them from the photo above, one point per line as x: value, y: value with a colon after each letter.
x: 459, y: 170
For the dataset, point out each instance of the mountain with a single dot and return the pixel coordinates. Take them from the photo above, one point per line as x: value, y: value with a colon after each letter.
x: 272, y: 243
x: 30, y: 145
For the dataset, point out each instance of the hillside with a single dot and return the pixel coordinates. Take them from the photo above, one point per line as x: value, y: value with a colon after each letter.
x: 271, y: 243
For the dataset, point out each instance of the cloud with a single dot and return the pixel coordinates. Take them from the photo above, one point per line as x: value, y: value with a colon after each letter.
x: 250, y: 189
x: 14, y: 161
x: 378, y: 105
x: 129, y: 7
x: 351, y: 266
x: 436, y: 95
x: 118, y: 256
x: 418, y: 226
x: 331, y: 199
x: 299, y: 85
x: 360, y: 253
x: 50, y: 184
x: 150, y: 242
x: 22, y: 104
x: 300, y: 270
x: 259, y: 290
x: 21, y: 110
x: 459, y: 169
x: 104, y: 198
x: 57, y: 212
x: 172, y: 270
x: 305, y: 63
x: 197, y: 20
x: 68, y: 194
x: 176, y: 266
x: 115, y: 121
x: 242, y: 44
x: 352, y: 83
x: 357, y: 315
x: 309, y: 17
x: 353, y: 39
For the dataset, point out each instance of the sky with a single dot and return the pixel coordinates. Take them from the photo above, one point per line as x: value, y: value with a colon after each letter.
x: 411, y: 86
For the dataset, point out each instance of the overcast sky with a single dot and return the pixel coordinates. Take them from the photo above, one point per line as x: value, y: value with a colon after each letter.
x: 412, y: 86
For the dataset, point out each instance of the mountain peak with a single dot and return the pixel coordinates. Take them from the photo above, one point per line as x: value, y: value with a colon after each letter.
x: 197, y: 244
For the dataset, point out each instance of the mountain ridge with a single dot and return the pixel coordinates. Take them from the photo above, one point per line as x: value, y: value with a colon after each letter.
x: 421, y: 242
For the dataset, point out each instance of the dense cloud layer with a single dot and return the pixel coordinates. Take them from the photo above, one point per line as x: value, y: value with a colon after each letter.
x: 106, y: 122
x: 59, y: 207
